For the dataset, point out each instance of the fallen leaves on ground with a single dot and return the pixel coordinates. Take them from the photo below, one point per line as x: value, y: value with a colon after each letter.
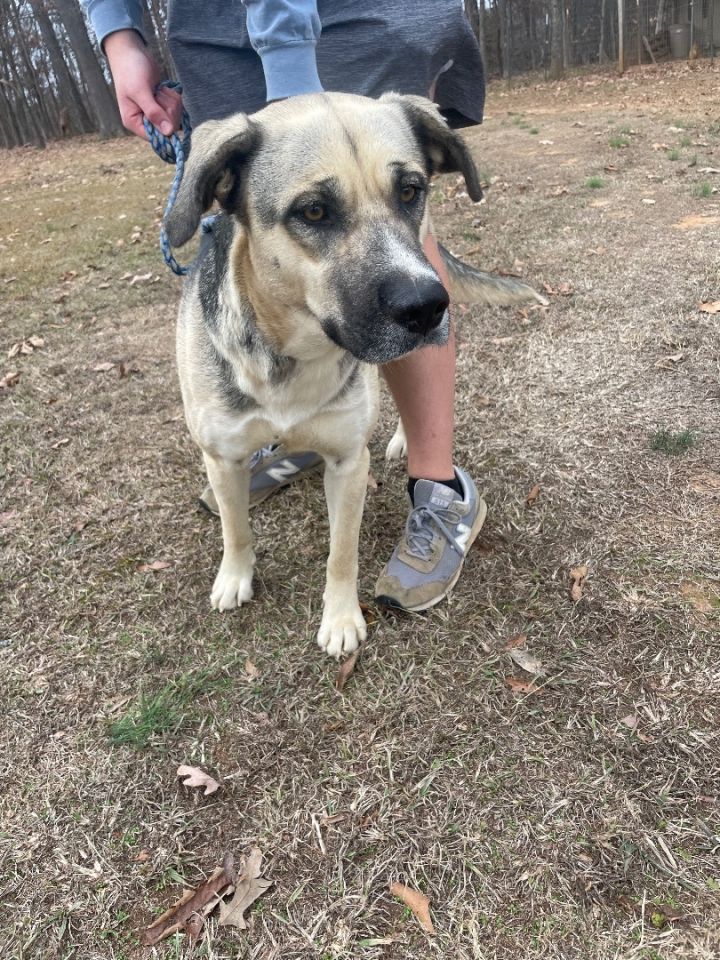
x: 526, y: 661
x: 193, y: 903
x: 155, y: 565
x: 346, y: 670
x: 578, y: 575
x: 103, y: 367
x: 249, y: 886
x: 517, y: 685
x: 533, y: 495
x: 517, y: 641
x: 713, y: 306
x: 251, y: 670
x: 195, y: 777
x: 25, y: 347
x: 417, y: 902
x: 9, y: 380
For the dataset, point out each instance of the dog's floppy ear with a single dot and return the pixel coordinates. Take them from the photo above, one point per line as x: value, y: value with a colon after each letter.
x: 444, y: 149
x: 219, y: 151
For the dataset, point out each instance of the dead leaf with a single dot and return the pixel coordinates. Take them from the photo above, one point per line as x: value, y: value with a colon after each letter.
x: 9, y: 380
x: 155, y: 565
x: 249, y: 886
x: 565, y: 289
x: 709, y: 170
x: 103, y: 367
x: 370, y: 614
x: 630, y: 721
x: 533, y: 495
x: 143, y: 856
x: 668, y: 362
x: 713, y: 306
x: 140, y: 278
x: 610, y: 168
x: 346, y: 670
x: 195, y: 777
x: 36, y: 342
x: 577, y: 575
x: 527, y: 662
x: 517, y: 641
x: 251, y: 670
x: 649, y: 201
x: 546, y: 143
x: 329, y: 820
x: 548, y: 289
x: 60, y: 443
x: 192, y: 902
x: 558, y: 192
x: 417, y: 902
x: 521, y: 686
x: 372, y: 483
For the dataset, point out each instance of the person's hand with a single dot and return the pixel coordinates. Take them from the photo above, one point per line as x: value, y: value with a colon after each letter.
x: 136, y: 76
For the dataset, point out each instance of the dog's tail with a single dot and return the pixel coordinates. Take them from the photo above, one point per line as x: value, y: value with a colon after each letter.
x: 469, y: 285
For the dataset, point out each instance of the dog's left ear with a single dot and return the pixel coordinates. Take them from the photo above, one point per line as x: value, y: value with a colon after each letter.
x: 444, y: 149
x: 219, y: 153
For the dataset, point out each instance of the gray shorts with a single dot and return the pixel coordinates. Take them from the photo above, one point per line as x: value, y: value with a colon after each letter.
x: 368, y: 47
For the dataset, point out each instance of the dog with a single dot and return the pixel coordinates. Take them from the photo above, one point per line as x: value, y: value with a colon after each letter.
x: 313, y: 275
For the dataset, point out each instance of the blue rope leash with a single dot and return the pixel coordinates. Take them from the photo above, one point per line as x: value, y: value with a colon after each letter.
x: 173, y: 149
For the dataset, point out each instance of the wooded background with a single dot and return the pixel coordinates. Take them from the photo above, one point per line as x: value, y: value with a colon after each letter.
x: 54, y: 81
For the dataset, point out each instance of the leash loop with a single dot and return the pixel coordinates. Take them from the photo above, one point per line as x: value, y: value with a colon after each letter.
x: 172, y: 149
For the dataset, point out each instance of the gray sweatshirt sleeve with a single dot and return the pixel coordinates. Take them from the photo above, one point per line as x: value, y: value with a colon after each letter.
x: 285, y: 33
x: 107, y: 16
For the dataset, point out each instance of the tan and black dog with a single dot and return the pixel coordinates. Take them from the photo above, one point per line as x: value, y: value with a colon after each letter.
x: 312, y: 276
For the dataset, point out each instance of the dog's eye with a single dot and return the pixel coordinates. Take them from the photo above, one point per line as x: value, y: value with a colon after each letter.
x: 408, y: 193
x: 314, y: 212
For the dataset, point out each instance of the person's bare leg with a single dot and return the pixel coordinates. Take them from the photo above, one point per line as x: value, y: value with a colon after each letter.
x: 423, y: 387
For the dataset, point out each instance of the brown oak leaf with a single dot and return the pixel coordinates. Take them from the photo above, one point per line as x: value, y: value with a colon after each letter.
x: 522, y: 686
x: 417, y: 902
x: 195, y: 777
x: 191, y: 903
x: 533, y: 495
x: 155, y: 565
x: 577, y: 575
x: 346, y: 670
x: 250, y: 885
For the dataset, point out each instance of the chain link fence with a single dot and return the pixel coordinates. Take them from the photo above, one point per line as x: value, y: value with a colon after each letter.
x: 552, y: 36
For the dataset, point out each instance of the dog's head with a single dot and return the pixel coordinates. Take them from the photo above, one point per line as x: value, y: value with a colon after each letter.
x: 330, y: 194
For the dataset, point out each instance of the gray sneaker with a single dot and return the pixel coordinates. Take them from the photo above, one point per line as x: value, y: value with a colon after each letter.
x: 270, y: 470
x: 441, y: 528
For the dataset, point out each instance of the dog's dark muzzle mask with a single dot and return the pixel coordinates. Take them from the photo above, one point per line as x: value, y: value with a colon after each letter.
x: 403, y: 313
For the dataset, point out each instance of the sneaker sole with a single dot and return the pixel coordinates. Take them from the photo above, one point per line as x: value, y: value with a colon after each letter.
x: 474, y: 531
x: 263, y: 495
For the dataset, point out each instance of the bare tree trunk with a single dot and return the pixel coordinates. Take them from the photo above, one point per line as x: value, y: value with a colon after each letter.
x: 156, y: 12
x: 506, y: 37
x: 602, y: 56
x: 100, y: 96
x: 70, y: 99
x: 556, y: 40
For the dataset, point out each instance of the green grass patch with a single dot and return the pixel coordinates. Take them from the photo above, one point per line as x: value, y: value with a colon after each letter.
x: 533, y: 130
x: 674, y: 444
x: 618, y: 142
x: 703, y: 190
x: 594, y: 183
x: 159, y: 713
x: 685, y: 141
x: 673, y: 154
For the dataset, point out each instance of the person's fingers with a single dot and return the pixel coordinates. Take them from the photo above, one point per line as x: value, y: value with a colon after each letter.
x: 132, y: 117
x: 156, y: 114
x: 171, y: 102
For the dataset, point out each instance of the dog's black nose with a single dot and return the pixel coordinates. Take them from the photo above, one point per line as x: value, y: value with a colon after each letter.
x: 418, y: 305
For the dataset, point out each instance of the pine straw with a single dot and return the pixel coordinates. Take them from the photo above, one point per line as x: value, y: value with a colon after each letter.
x: 547, y: 826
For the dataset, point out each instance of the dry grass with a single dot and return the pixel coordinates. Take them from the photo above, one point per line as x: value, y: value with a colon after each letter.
x: 553, y: 825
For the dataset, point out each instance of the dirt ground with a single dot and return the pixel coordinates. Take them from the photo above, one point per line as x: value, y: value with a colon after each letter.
x: 573, y: 814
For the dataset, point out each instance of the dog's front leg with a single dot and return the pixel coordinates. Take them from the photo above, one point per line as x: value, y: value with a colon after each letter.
x: 343, y: 625
x: 231, y: 484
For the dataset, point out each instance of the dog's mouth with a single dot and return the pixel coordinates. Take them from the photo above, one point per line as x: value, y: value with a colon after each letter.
x: 381, y: 342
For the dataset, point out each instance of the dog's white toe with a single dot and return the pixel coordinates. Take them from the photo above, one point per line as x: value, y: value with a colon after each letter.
x: 397, y: 448
x: 342, y: 633
x: 231, y: 589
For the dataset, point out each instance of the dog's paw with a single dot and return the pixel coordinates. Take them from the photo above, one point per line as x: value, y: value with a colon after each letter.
x: 341, y: 633
x: 232, y: 587
x: 397, y: 448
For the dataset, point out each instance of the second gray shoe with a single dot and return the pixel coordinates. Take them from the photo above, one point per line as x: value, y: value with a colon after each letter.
x: 271, y: 469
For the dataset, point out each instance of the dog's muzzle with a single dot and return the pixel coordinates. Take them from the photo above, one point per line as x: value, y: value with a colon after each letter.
x: 417, y: 305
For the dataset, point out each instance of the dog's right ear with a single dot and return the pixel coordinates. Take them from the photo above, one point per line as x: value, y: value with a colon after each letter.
x: 219, y: 152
